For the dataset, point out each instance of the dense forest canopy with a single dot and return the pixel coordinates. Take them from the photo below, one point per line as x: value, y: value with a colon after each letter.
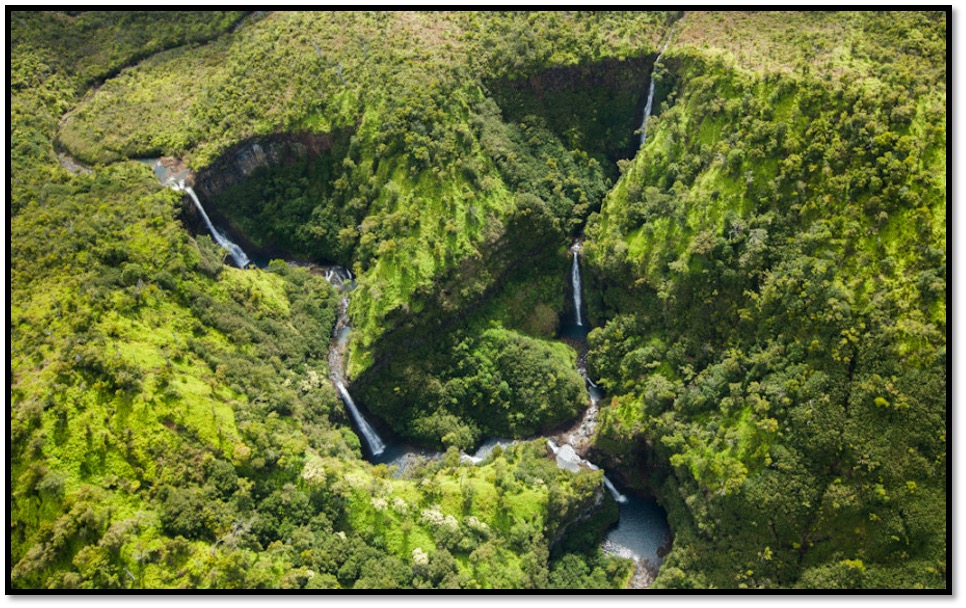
x: 764, y: 280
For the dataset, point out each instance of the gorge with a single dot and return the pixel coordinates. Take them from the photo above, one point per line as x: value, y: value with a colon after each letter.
x: 478, y: 300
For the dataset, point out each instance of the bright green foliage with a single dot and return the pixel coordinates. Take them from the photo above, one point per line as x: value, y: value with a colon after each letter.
x: 472, y: 386
x: 74, y: 41
x: 772, y: 273
x: 767, y: 276
x: 513, y: 45
x: 172, y: 423
x: 419, y: 191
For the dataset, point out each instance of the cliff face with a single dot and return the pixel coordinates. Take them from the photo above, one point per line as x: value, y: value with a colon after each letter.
x: 242, y: 192
x: 594, y: 107
x: 245, y: 158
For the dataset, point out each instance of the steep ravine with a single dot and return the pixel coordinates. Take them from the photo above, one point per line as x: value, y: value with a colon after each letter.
x: 238, y: 189
x: 641, y: 533
x: 784, y: 520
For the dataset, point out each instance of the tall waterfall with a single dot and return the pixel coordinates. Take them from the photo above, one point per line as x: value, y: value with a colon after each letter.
x: 237, y: 255
x: 341, y: 278
x: 374, y: 442
x: 650, y: 93
x: 575, y: 280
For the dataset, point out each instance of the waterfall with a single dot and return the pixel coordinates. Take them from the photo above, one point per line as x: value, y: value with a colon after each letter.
x: 613, y: 491
x: 375, y: 444
x: 575, y: 280
x: 237, y: 255
x: 568, y: 459
x: 650, y: 93
x: 648, y: 105
x: 337, y: 276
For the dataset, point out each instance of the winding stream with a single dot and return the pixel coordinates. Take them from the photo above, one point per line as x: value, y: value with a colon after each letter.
x: 641, y: 533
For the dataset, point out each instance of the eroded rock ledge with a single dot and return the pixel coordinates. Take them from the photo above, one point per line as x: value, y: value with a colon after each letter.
x: 241, y: 160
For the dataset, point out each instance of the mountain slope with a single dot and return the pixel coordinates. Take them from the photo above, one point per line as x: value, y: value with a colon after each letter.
x: 767, y: 276
x: 771, y: 269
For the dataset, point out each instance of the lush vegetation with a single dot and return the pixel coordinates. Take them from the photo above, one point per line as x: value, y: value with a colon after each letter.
x: 428, y: 177
x: 172, y: 423
x: 767, y: 277
x: 772, y: 273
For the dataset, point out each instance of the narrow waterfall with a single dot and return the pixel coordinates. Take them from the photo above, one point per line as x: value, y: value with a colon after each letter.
x: 650, y: 93
x: 567, y: 458
x: 237, y: 255
x: 373, y: 441
x: 641, y: 533
x: 613, y: 491
x: 575, y: 281
x: 341, y: 278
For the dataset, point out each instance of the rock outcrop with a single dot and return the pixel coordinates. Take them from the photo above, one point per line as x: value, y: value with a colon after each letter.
x: 244, y: 158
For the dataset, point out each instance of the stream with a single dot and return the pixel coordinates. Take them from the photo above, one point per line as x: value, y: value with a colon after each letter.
x: 641, y: 533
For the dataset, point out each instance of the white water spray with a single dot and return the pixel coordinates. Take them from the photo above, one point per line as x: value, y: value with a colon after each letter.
x: 568, y: 459
x: 650, y: 93
x: 486, y: 448
x: 237, y: 254
x: 575, y: 281
x: 376, y: 446
x: 613, y: 491
x: 336, y: 275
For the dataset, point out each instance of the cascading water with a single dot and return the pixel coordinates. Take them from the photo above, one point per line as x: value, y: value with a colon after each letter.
x: 374, y: 442
x: 575, y: 281
x: 486, y: 448
x: 567, y: 458
x: 237, y: 254
x: 641, y: 532
x: 650, y: 93
x: 339, y: 277
x: 613, y: 491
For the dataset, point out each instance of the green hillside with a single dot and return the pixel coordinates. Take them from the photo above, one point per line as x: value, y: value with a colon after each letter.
x: 771, y: 279
x: 766, y: 278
